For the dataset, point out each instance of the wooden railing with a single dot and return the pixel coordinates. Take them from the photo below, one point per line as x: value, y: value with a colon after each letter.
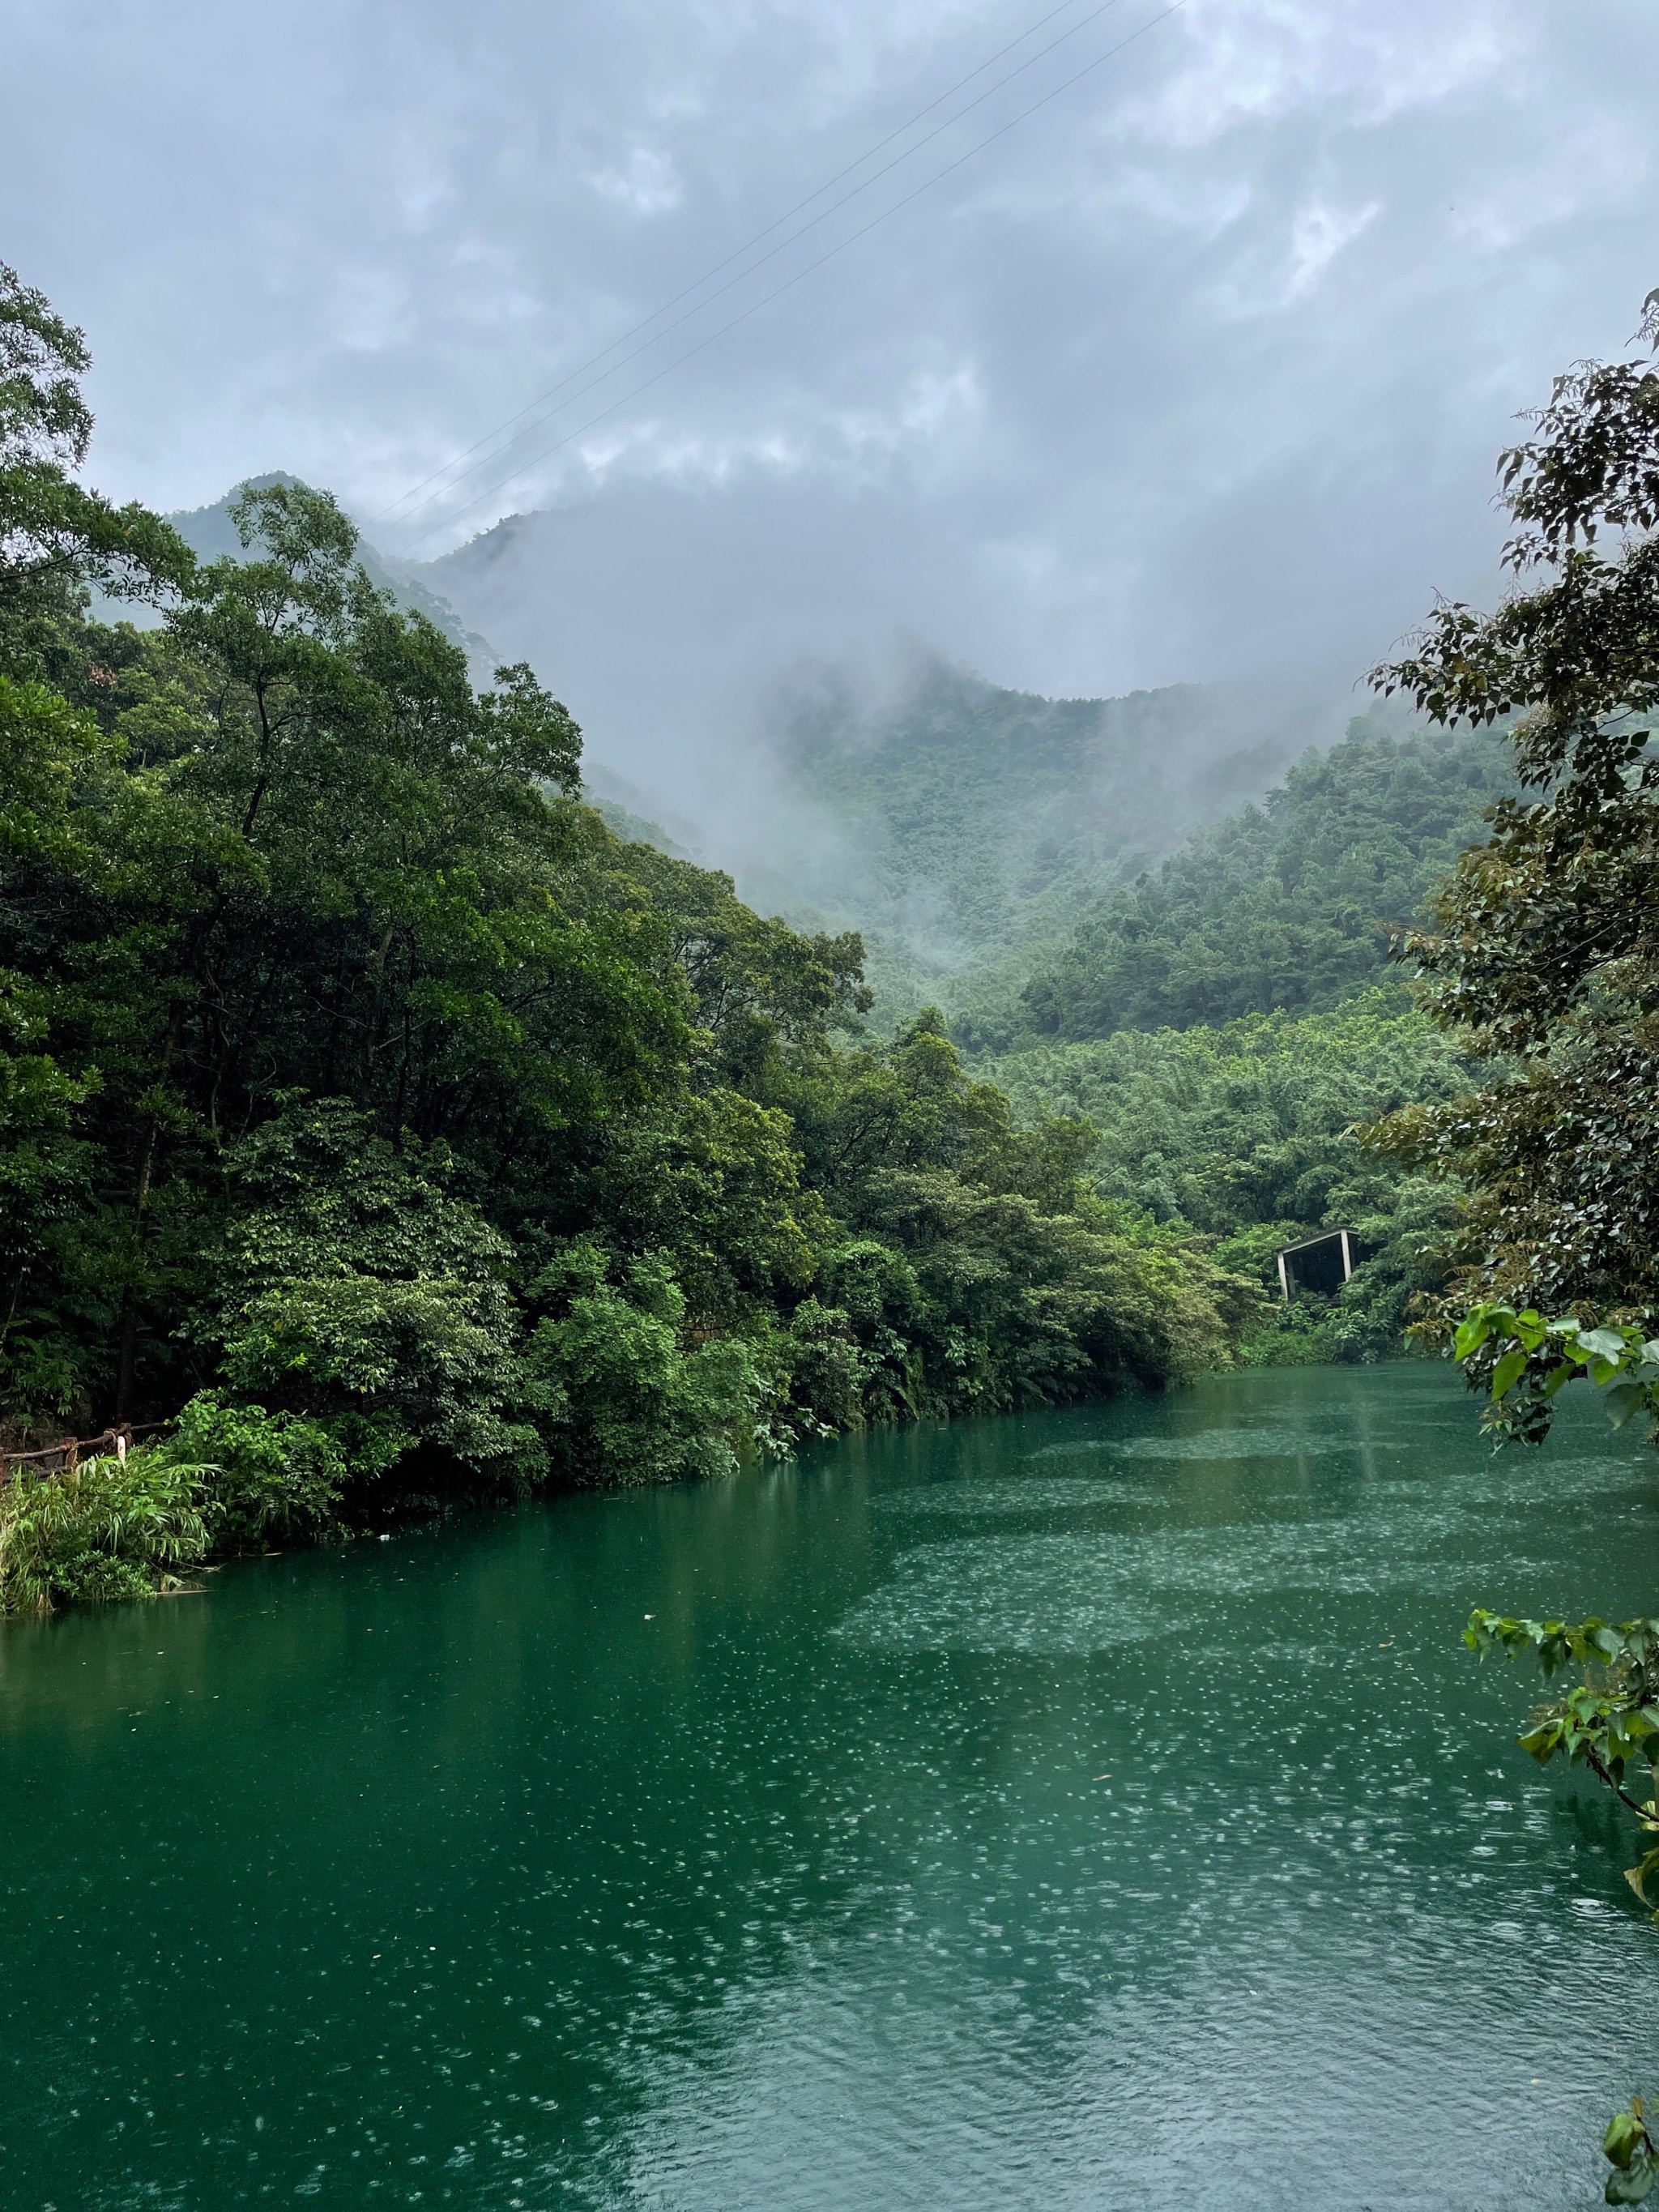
x: 65, y: 1455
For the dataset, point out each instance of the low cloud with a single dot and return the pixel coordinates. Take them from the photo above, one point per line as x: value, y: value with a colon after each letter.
x: 1197, y: 372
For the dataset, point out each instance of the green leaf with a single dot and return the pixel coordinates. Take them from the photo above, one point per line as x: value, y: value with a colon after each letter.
x: 1472, y: 1333
x: 1603, y: 1343
x: 1509, y: 1371
x: 1634, y: 2184
x: 1624, y: 1401
x: 1542, y: 1742
x: 1625, y: 2137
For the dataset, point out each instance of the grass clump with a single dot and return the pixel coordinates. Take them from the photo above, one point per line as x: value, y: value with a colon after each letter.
x: 109, y: 1528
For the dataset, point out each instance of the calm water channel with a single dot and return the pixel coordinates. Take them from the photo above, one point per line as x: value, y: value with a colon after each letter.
x: 1088, y: 1810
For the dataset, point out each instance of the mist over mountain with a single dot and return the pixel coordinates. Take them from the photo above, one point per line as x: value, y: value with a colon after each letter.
x: 971, y: 818
x: 844, y: 772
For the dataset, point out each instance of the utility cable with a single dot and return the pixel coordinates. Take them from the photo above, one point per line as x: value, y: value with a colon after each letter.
x: 789, y: 282
x: 582, y: 368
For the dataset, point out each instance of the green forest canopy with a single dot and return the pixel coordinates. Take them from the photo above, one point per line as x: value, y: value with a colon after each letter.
x: 1288, y: 905
x: 1244, y: 1131
x: 377, y: 1114
x: 371, y: 1108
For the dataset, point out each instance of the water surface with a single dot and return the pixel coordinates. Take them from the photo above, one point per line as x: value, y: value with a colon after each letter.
x: 1089, y: 1810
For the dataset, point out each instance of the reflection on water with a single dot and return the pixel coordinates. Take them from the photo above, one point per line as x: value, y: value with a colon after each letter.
x: 1091, y: 1810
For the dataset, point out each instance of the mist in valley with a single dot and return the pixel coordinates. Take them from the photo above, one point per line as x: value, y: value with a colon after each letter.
x: 777, y: 687
x: 748, y: 694
x: 1191, y: 378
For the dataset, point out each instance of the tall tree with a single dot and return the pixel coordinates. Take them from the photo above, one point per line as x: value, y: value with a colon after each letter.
x: 1547, y: 947
x: 55, y: 535
x: 1547, y: 951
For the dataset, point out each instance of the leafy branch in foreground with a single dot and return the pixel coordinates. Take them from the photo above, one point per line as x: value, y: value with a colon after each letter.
x: 1634, y: 2154
x: 1608, y: 1723
x: 1547, y: 958
x: 1611, y: 1721
x: 1524, y: 1360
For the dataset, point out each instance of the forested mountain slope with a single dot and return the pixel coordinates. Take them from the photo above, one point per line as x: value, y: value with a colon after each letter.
x: 972, y: 820
x: 382, y: 1126
x: 1286, y: 905
x: 1226, y: 1022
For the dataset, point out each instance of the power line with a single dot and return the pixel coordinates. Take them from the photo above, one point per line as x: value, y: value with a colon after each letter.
x: 927, y: 183
x: 582, y: 368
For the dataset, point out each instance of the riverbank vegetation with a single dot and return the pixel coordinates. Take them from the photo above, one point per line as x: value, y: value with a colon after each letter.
x: 1244, y: 1131
x: 378, y: 1118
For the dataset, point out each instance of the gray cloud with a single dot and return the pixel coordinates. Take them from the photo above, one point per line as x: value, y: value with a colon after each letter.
x: 1198, y: 372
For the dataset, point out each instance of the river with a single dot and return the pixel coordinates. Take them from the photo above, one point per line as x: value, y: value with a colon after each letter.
x: 1091, y: 1810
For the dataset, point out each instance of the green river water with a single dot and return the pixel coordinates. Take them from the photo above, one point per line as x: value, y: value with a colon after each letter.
x: 1090, y: 1809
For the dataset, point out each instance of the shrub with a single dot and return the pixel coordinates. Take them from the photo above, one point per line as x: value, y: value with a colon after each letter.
x: 110, y: 1528
x: 626, y: 1398
x: 828, y: 1369
x: 405, y: 1362
x: 268, y: 1473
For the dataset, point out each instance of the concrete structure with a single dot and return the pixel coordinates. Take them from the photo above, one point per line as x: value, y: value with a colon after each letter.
x: 1323, y: 1263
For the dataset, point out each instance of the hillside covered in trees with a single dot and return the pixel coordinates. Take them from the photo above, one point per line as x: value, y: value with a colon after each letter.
x: 1287, y: 906
x: 1244, y: 1131
x: 1230, y: 1021
x: 1054, y: 868
x: 376, y: 1116
x: 967, y: 819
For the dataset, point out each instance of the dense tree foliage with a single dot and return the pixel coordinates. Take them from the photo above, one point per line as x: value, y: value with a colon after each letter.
x: 1547, y: 951
x: 1288, y: 905
x: 1245, y: 1132
x: 1547, y: 944
x: 373, y: 1114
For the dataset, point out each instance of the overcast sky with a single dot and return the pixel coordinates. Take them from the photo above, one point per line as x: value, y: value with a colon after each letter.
x: 1198, y: 371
